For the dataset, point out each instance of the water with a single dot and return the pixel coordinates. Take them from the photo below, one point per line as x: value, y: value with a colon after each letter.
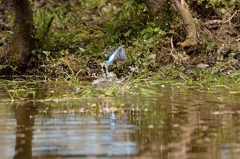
x: 183, y: 124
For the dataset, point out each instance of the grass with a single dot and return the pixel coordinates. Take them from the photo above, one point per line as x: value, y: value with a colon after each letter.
x: 145, y: 84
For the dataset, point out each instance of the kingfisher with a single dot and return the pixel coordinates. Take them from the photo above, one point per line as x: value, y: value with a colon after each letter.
x: 115, y: 55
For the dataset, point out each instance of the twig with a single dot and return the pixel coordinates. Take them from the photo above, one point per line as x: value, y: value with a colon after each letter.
x: 229, y: 20
x: 171, y: 42
x: 172, y: 46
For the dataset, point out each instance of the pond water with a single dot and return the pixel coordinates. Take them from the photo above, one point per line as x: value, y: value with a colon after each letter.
x: 180, y: 123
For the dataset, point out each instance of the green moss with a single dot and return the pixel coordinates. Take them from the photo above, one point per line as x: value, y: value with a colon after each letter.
x: 19, y: 50
x: 14, y: 48
x: 188, y: 45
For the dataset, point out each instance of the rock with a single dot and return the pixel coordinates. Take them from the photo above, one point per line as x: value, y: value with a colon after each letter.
x: 202, y: 66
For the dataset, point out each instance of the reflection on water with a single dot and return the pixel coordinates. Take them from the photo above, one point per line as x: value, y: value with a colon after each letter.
x: 24, y: 131
x: 81, y: 136
x: 180, y: 124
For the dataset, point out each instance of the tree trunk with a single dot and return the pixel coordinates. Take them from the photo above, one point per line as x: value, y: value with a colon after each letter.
x: 190, y: 42
x: 156, y: 8
x: 21, y: 46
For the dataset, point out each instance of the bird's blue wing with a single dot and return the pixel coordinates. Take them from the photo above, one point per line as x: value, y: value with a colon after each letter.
x: 111, y: 58
x: 118, y: 54
x: 110, y: 53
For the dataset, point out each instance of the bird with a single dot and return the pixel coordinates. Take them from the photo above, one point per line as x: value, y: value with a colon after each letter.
x: 115, y: 55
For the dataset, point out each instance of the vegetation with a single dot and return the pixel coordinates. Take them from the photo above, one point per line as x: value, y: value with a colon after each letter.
x: 73, y: 38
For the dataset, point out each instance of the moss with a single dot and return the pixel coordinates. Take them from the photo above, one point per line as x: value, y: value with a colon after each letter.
x: 20, y: 47
x: 188, y: 45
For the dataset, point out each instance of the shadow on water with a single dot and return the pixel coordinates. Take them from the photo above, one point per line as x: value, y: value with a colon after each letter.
x: 185, y: 124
